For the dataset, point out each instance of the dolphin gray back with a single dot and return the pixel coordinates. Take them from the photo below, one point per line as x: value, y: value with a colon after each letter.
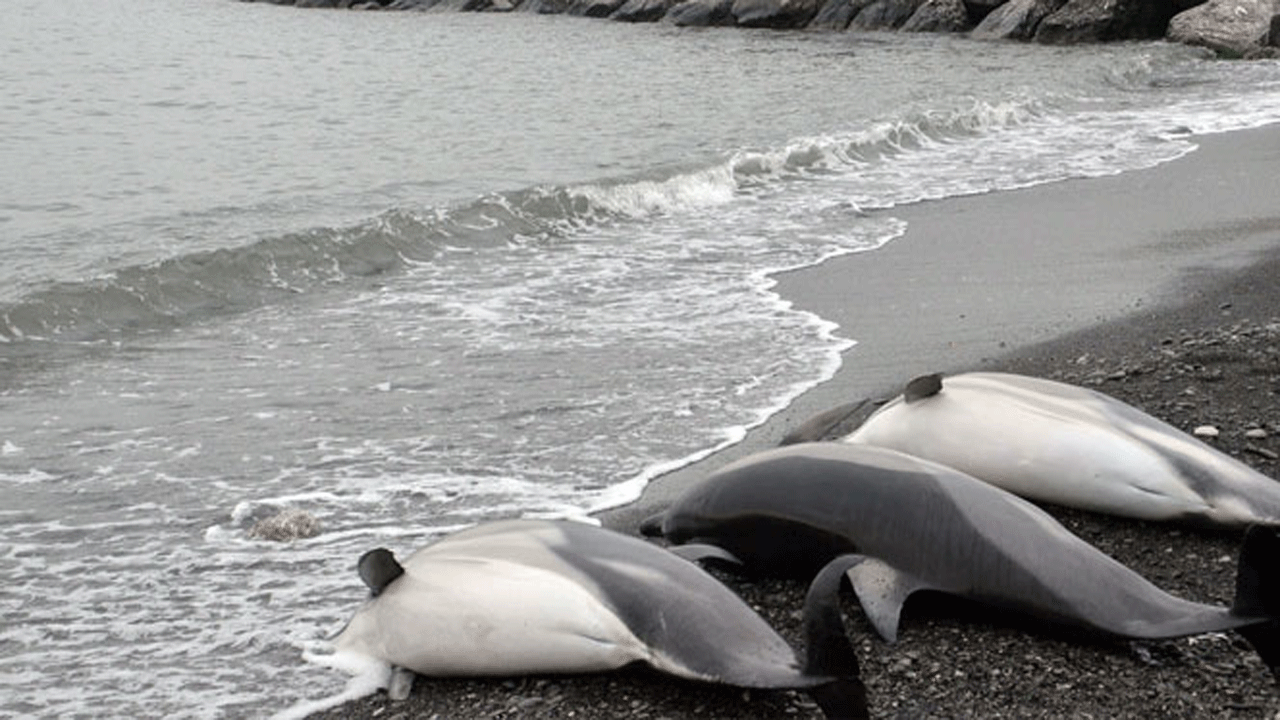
x: 943, y: 528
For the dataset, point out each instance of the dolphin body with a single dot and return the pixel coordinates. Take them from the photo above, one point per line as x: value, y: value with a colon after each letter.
x: 528, y: 597
x: 1052, y: 442
x: 900, y: 524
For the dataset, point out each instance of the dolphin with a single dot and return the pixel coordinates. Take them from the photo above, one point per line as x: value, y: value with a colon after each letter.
x: 901, y: 524
x: 1056, y: 443
x: 526, y: 597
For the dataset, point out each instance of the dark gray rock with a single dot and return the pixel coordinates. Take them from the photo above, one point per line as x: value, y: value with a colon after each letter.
x: 701, y: 13
x: 592, y: 8
x: 1085, y: 21
x: 1232, y: 28
x: 1015, y: 20
x: 776, y: 14
x: 885, y: 14
x: 544, y: 7
x: 979, y: 9
x: 837, y: 14
x: 939, y: 16
x: 642, y: 10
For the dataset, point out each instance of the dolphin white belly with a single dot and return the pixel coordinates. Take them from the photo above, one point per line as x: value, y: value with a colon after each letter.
x: 1062, y: 444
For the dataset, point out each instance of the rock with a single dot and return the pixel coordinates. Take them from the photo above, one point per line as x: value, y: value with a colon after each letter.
x: 939, y: 16
x: 288, y: 524
x: 1205, y: 431
x: 1231, y: 28
x: 1255, y: 433
x: 776, y: 14
x: 1016, y: 19
x: 592, y: 8
x: 979, y: 9
x: 885, y: 14
x: 701, y: 13
x: 837, y: 14
x: 543, y: 7
x: 1080, y: 21
x: 642, y: 10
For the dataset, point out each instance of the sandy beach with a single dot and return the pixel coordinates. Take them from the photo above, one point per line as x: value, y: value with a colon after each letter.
x: 1158, y: 287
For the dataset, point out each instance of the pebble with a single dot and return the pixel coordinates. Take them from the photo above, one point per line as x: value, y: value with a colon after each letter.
x: 1205, y: 431
x: 1255, y: 433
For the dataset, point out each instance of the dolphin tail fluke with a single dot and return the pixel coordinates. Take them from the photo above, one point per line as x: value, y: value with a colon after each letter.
x: 828, y: 651
x: 1258, y: 593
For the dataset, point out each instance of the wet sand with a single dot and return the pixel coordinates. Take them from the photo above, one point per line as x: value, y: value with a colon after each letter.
x: 1160, y: 287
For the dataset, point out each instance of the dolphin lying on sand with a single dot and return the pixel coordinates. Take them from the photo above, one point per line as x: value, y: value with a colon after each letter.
x: 900, y: 524
x: 1052, y: 442
x: 531, y: 596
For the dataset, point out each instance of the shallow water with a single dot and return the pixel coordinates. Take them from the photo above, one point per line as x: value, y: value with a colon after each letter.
x: 364, y: 265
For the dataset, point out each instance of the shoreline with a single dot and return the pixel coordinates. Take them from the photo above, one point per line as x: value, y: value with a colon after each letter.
x: 945, y: 278
x: 1156, y: 286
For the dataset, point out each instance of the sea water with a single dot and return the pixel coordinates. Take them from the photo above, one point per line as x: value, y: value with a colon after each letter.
x: 407, y: 272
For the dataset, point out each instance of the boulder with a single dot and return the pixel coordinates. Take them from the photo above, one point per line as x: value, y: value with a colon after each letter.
x: 1015, y: 20
x: 885, y: 14
x: 592, y: 8
x: 939, y: 16
x: 776, y: 14
x: 1084, y: 21
x: 1231, y: 28
x: 837, y: 14
x: 642, y: 10
x: 979, y: 9
x: 543, y: 7
x: 701, y: 13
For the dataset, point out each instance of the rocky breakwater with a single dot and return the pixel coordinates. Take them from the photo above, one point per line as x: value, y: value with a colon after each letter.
x: 1231, y: 28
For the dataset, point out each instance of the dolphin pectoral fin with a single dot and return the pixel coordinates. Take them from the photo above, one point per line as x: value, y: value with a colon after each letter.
x: 652, y: 525
x: 400, y: 684
x: 881, y: 590
x: 922, y: 387
x: 708, y: 554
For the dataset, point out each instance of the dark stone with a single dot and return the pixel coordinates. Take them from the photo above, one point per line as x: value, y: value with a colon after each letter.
x: 1016, y: 19
x: 544, y: 7
x: 776, y: 14
x: 702, y: 13
x: 979, y: 9
x: 1084, y: 21
x: 642, y: 10
x: 939, y: 16
x: 837, y: 14
x: 592, y: 8
x: 885, y: 14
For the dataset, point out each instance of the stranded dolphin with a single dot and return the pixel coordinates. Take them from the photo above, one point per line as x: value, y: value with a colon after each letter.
x: 531, y: 596
x: 1062, y: 444
x: 901, y: 524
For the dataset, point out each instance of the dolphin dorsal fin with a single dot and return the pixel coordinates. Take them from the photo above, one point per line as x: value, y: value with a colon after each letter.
x: 378, y: 568
x: 923, y: 387
x: 881, y: 590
